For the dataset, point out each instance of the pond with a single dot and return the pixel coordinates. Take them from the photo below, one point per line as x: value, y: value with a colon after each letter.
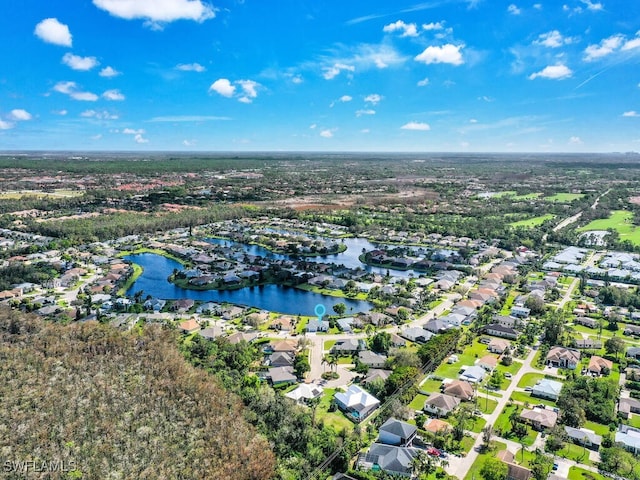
x: 276, y: 298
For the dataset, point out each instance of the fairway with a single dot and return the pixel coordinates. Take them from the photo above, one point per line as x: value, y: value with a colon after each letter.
x: 532, y: 222
x: 564, y: 197
x: 621, y: 221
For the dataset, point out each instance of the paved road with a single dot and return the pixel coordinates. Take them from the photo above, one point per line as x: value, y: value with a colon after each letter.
x: 460, y: 466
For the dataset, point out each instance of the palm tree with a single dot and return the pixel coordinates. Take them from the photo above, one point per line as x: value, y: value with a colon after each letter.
x: 333, y: 361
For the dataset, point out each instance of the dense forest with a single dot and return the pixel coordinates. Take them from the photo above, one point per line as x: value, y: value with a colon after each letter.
x: 115, y: 405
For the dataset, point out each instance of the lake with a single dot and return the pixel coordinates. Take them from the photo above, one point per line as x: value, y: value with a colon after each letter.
x: 276, y: 298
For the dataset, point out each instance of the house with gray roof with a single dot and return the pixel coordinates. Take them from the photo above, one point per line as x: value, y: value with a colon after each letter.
x: 436, y: 325
x: 441, y: 404
x: 549, y: 389
x: 371, y: 359
x: 356, y: 403
x: 629, y: 438
x: 416, y: 334
x: 348, y: 346
x: 281, y: 376
x: 633, y: 352
x: 498, y: 330
x: 584, y: 437
x: 389, y: 458
x: 562, y: 357
x: 396, y: 432
x: 473, y: 374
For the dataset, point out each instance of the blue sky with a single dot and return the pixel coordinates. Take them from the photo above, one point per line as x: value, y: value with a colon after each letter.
x: 361, y: 75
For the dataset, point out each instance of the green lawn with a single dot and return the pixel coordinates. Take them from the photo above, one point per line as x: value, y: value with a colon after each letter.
x: 302, y: 325
x: 466, y: 444
x: 576, y: 453
x: 530, y: 379
x: 577, y: 473
x: 619, y: 220
x: 504, y: 425
x: 512, y: 369
x: 564, y: 197
x: 335, y: 419
x: 524, y: 397
x: 467, y: 357
x: 487, y: 406
x: 477, y: 424
x: 528, y: 196
x: 508, y: 193
x: 474, y: 471
x: 599, y: 428
x: 634, y: 421
x: 533, y: 222
x: 328, y: 344
x: 418, y: 402
x: 508, y: 303
x: 525, y: 457
x: 431, y: 385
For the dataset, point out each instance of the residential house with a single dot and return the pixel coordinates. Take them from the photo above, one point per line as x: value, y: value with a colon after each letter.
x: 283, y: 324
x: 416, y: 334
x: 498, y: 330
x: 389, y: 458
x: 182, y: 305
x: 371, y: 359
x: 435, y: 425
x: 599, y: 365
x: 633, y: 352
x: 514, y: 471
x: 211, y: 333
x: 348, y: 347
x: 586, y: 321
x: 281, y: 376
x: 520, y: 312
x: 305, y: 392
x: 317, y: 325
x: 376, y: 374
x: 283, y: 346
x: 436, y: 325
x: 154, y: 304
x: 356, y: 403
x: 632, y: 330
x: 584, y: 437
x: 396, y: 432
x: 549, y: 389
x: 507, y: 321
x: 588, y: 343
x: 629, y: 438
x: 397, y: 341
x: 499, y: 345
x: 345, y: 324
x: 474, y: 374
x: 627, y: 406
x: 488, y: 362
x: 562, y: 357
x: 459, y: 389
x: 441, y: 404
x: 242, y: 337
x: 281, y: 359
x: 189, y: 326
x: 539, y: 418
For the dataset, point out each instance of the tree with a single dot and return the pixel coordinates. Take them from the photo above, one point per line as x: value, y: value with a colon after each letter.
x: 301, y: 364
x: 494, y: 469
x: 496, y: 378
x: 535, y: 304
x: 381, y: 342
x: 615, y: 346
x: 541, y: 465
x: 487, y: 433
x: 423, y: 464
x: 552, y: 327
x: 340, y: 308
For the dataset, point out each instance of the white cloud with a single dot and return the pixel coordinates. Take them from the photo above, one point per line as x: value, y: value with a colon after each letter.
x: 249, y: 87
x: 365, y: 130
x: 79, y: 63
x: 423, y: 83
x: 98, y: 136
x: 575, y: 141
x: 188, y: 118
x: 420, y: 126
x: 157, y: 12
x: 60, y: 112
x: 140, y: 139
x: 19, y: 114
x: 333, y: 71
x: 109, y: 72
x: 326, y: 133
x: 631, y: 44
x: 131, y: 131
x: 593, y: 6
x: 313, y: 126
x: 373, y: 98
x: 553, y: 39
x: 190, y: 67
x: 113, y: 95
x: 51, y: 30
x: 407, y: 29
x: 5, y: 125
x: 71, y: 89
x: 103, y: 115
x: 486, y: 98
x: 604, y: 48
x: 473, y: 120
x: 84, y: 96
x: 513, y: 9
x: 188, y: 143
x: 297, y: 79
x: 223, y: 87
x: 346, y: 98
x: 368, y: 111
x: 553, y: 72
x: 631, y: 113
x: 448, y: 53
x: 537, y: 6
x: 432, y: 26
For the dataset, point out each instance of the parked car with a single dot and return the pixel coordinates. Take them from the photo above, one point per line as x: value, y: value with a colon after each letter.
x: 507, y: 375
x: 434, y: 451
x: 528, y: 389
